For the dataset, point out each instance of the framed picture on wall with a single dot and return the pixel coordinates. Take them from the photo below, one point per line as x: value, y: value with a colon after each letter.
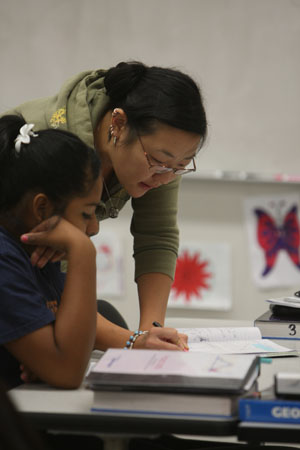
x: 203, y: 277
x: 273, y: 230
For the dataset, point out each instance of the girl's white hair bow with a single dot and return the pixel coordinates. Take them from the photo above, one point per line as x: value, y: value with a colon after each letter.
x: 24, y: 136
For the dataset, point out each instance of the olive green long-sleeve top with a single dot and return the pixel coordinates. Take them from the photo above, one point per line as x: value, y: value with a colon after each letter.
x: 77, y: 107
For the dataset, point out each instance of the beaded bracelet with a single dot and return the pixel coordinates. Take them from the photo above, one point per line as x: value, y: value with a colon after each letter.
x: 133, y: 338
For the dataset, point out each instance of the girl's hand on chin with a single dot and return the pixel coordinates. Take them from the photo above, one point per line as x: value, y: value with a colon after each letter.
x: 52, y: 239
x: 41, y: 255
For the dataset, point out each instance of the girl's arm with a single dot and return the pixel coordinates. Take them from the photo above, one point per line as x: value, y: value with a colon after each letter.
x: 59, y: 352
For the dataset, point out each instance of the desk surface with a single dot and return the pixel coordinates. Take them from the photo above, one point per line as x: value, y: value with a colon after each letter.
x: 268, y: 432
x: 70, y: 410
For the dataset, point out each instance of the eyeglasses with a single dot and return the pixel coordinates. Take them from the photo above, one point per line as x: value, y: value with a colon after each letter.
x: 161, y: 168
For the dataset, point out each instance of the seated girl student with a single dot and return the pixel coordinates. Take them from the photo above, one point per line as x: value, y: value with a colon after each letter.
x: 147, y: 123
x: 50, y: 184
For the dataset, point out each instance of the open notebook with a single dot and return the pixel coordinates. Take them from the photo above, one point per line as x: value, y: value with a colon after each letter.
x: 236, y: 340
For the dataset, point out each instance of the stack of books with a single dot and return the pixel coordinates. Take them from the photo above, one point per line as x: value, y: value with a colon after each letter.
x: 207, y: 382
x: 281, y: 323
x: 157, y: 383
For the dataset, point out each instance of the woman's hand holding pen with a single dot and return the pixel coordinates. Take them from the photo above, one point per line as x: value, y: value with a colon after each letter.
x: 162, y: 338
x: 182, y: 339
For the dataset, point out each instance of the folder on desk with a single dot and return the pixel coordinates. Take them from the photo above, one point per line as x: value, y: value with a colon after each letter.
x: 169, y: 371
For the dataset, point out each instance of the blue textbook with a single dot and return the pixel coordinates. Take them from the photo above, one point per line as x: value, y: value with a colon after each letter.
x: 265, y: 407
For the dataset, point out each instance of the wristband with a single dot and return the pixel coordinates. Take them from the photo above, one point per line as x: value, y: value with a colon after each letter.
x: 133, y: 338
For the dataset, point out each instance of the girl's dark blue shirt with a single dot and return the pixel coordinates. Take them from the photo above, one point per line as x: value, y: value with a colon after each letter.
x: 29, y: 298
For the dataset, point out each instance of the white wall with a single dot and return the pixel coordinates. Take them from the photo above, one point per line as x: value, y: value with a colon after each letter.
x: 244, y: 54
x: 209, y: 211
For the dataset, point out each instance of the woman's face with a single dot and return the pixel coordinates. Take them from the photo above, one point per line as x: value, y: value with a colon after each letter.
x: 81, y: 210
x: 167, y: 146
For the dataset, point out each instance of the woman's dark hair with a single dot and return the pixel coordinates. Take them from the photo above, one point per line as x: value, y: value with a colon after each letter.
x: 154, y: 94
x: 55, y: 162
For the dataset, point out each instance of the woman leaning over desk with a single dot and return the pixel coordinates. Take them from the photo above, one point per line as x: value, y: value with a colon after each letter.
x: 147, y: 124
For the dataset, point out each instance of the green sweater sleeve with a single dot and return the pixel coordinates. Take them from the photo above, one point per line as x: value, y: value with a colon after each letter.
x: 155, y: 231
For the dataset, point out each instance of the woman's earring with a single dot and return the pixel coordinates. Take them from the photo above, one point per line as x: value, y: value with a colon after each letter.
x: 111, y: 131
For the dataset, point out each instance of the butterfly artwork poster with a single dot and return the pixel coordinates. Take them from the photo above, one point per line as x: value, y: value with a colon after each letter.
x: 202, y: 277
x: 274, y: 239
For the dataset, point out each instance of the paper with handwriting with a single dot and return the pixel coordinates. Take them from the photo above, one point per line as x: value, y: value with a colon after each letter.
x: 231, y: 340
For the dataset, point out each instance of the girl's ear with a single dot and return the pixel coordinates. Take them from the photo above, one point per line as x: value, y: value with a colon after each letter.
x: 42, y: 207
